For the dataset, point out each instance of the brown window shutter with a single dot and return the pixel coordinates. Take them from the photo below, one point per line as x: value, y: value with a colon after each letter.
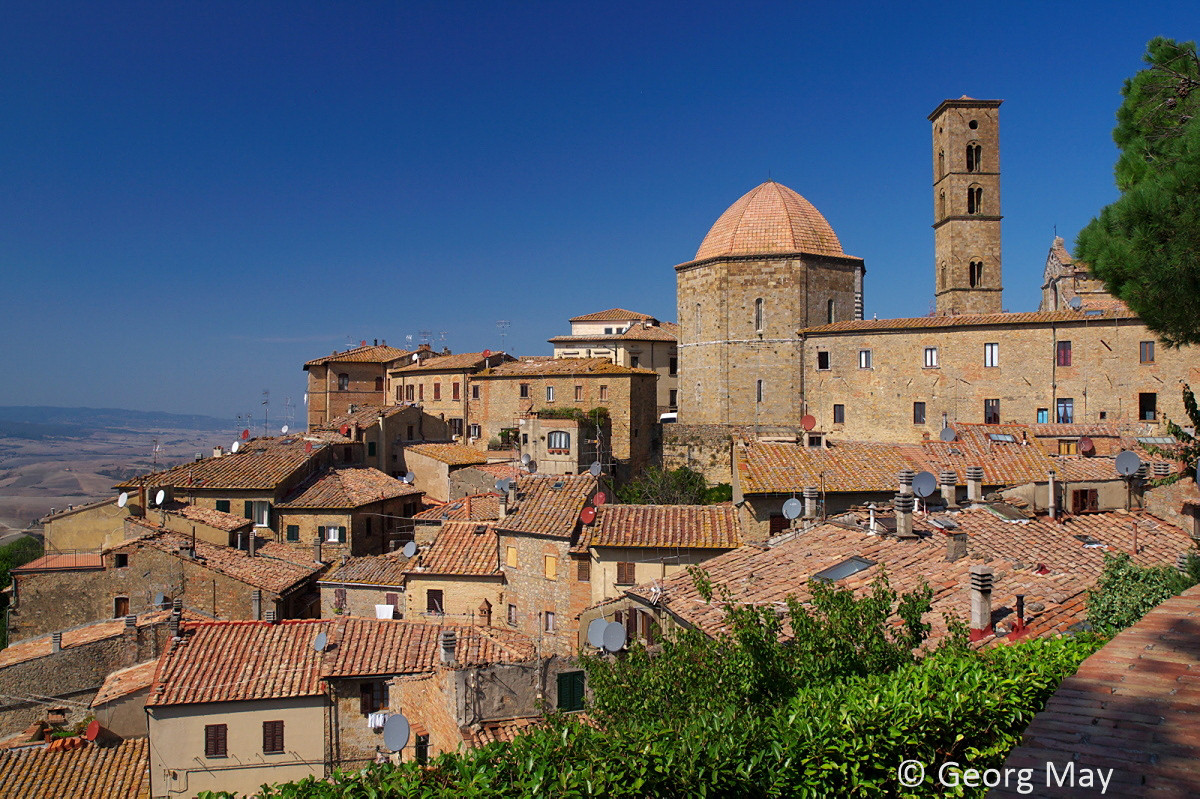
x: 778, y: 524
x: 392, y: 599
x: 585, y: 571
x: 366, y: 699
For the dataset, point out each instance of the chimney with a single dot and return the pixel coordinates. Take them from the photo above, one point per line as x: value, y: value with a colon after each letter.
x: 256, y: 604
x: 949, y: 480
x: 871, y: 523
x: 975, y: 484
x: 1019, y: 625
x: 503, y: 502
x: 1181, y: 562
x: 903, y: 504
x: 317, y: 550
x: 1050, y: 498
x: 906, y: 477
x: 253, y: 541
x: 173, y: 624
x: 810, y: 502
x: 981, y: 602
x: 449, y: 643
x: 177, y: 606
x: 1160, y: 469
x: 241, y: 541
x: 56, y: 642
x: 956, y: 548
x: 218, y: 451
x: 131, y: 622
x: 271, y: 617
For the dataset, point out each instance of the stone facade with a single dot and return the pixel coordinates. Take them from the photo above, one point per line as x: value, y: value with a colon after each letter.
x: 356, y: 377
x: 466, y: 599
x: 534, y: 589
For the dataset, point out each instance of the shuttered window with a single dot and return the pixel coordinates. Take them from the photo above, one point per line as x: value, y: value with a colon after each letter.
x: 223, y: 505
x: 293, y: 532
x: 392, y: 599
x: 272, y: 737
x: 625, y: 573
x: 433, y: 601
x: 778, y: 523
x: 214, y: 740
x: 570, y: 690
x: 584, y: 572
x: 372, y: 697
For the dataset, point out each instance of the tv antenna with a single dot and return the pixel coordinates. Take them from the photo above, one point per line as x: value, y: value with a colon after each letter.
x: 426, y: 336
x: 289, y: 411
x: 154, y: 454
x: 503, y: 325
x: 266, y: 403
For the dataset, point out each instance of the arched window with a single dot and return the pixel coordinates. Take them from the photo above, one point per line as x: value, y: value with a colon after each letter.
x: 942, y: 205
x: 942, y: 276
x: 975, y: 200
x: 697, y: 392
x: 831, y: 311
x: 697, y: 320
x: 976, y: 273
x: 558, y: 439
x: 974, y: 152
x: 758, y: 390
x: 941, y: 164
x: 758, y: 315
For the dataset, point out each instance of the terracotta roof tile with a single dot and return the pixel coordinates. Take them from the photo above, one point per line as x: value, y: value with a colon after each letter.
x: 72, y: 561
x: 364, y: 416
x: 115, y: 772
x: 477, y: 507
x: 562, y: 366
x: 611, y: 315
x: 379, y: 353
x: 123, y: 682
x: 350, y: 487
x: 502, y: 730
x: 210, y: 516
x: 452, y: 454
x: 371, y: 570
x: 260, y: 464
x: 41, y: 646
x: 466, y: 548
x: 770, y: 219
x: 549, y: 504
x: 362, y: 646
x: 967, y: 320
x: 689, y: 526
x: 462, y: 362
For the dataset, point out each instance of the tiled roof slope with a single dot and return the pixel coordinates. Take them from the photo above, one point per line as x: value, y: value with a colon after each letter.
x: 210, y: 516
x: 611, y: 315
x: 259, y: 464
x: 502, y: 730
x: 462, y: 362
x: 370, y: 353
x: 465, y: 548
x: 371, y: 570
x: 1130, y: 707
x: 562, y: 366
x: 364, y: 416
x: 61, y: 562
x: 41, y: 646
x: 689, y: 526
x: 126, y: 681
x: 362, y: 646
x: 769, y: 219
x: 115, y: 772
x: 228, y: 661
x: 452, y: 454
x: 476, y: 507
x: 543, y: 509
x: 350, y: 487
x: 664, y: 331
x: 967, y: 320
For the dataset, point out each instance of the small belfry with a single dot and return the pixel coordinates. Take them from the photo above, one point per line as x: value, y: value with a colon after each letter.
x: 966, y: 206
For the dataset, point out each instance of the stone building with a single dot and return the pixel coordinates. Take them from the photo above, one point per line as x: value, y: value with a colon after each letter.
x: 432, y: 464
x: 382, y: 432
x: 631, y: 339
x: 440, y: 385
x: 457, y: 578
x: 357, y: 376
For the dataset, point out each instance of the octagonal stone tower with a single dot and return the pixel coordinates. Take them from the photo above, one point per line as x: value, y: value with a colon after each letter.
x: 770, y: 266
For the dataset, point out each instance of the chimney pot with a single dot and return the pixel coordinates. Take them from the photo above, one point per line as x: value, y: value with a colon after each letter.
x: 449, y: 644
x: 949, y: 481
x: 177, y: 606
x: 317, y: 550
x: 957, y: 547
x: 906, y: 480
x: 904, y: 503
x: 981, y: 601
x: 131, y: 622
x: 975, y: 484
x: 271, y: 617
x: 810, y: 502
x: 56, y: 642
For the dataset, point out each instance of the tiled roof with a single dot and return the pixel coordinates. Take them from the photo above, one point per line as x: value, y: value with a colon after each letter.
x: 126, y: 681
x: 562, y: 366
x: 210, y: 516
x: 462, y: 362
x: 41, y: 646
x: 112, y: 772
x: 371, y: 570
x: 477, y: 507
x: 549, y: 505
x: 770, y: 219
x: 452, y: 454
x: 226, y: 661
x: 664, y: 331
x: 966, y: 320
x: 1131, y: 707
x: 378, y: 353
x: 364, y: 416
x: 502, y: 730
x: 466, y: 548
x: 611, y: 315
x: 61, y: 562
x: 350, y: 487
x: 259, y: 464
x: 275, y: 567
x: 688, y: 526
x: 360, y: 646
x: 1073, y: 469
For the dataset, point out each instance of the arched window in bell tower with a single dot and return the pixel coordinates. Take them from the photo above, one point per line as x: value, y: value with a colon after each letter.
x: 942, y: 276
x: 758, y: 315
x: 831, y: 311
x: 974, y: 152
x: 942, y: 205
x: 975, y: 200
x: 941, y: 164
x: 697, y: 320
x: 976, y: 274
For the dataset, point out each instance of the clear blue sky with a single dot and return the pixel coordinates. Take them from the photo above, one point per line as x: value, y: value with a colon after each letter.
x: 197, y: 197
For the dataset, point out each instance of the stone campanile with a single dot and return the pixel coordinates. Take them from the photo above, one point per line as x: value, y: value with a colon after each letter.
x: 966, y: 206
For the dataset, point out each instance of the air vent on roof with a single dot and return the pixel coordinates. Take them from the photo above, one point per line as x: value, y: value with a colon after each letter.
x: 1003, y: 438
x: 1093, y: 313
x: 852, y: 565
x: 944, y: 522
x: 954, y: 451
x: 480, y: 529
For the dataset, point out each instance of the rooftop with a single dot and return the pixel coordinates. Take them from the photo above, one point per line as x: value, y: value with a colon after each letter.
x: 477, y: 507
x: 663, y: 331
x: 210, y: 516
x: 42, y: 645
x: 462, y: 548
x: 970, y: 320
x: 562, y: 366
x: 613, y: 315
x: 687, y: 526
x: 349, y: 487
x: 259, y: 464
x: 364, y: 416
x: 367, y: 353
x: 370, y: 570
x: 71, y: 561
x: 549, y: 504
x: 114, y: 772
x: 126, y: 681
x: 462, y: 362
x: 451, y: 454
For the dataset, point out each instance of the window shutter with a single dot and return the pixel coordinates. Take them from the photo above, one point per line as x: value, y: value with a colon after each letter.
x: 366, y: 699
x: 270, y: 515
x: 341, y: 535
x: 249, y: 514
x: 392, y: 599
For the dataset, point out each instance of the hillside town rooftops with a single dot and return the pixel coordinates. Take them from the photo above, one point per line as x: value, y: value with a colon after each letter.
x: 677, y: 526
x: 375, y: 570
x: 259, y: 464
x: 348, y: 487
x: 80, y: 769
x: 463, y: 548
x: 450, y: 454
x: 367, y: 353
x: 549, y: 504
x: 476, y: 507
x: 365, y: 647
x: 42, y: 645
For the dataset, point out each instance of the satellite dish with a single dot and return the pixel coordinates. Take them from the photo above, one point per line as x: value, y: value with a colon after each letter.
x: 410, y: 549
x: 320, y: 642
x: 1128, y: 463
x: 614, y: 636
x: 948, y: 434
x: 344, y: 430
x: 587, y: 515
x: 395, y: 732
x: 808, y: 421
x: 1086, y: 446
x: 792, y: 508
x: 409, y: 478
x: 236, y: 446
x: 284, y: 429
x: 525, y: 459
x: 123, y: 500
x: 159, y: 598
x: 1075, y: 303
x: 531, y: 467
x: 160, y: 497
x: 924, y: 484
x: 246, y: 435
x: 595, y: 469
x: 487, y: 353
x: 599, y: 499
x: 595, y: 633
x: 93, y: 730
x: 502, y: 485
x: 308, y: 446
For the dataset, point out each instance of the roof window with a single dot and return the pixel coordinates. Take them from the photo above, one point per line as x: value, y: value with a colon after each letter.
x: 841, y: 571
x: 1158, y: 441
x: 1003, y: 438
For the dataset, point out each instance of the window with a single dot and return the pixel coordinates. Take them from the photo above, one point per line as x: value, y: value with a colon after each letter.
x: 548, y: 621
x: 392, y: 599
x: 603, y: 393
x: 558, y: 440
x: 343, y: 382
x: 831, y: 311
x: 433, y: 601
x: 1085, y: 500
x: 1147, y: 352
x: 223, y: 505
x: 549, y: 393
x: 214, y: 740
x: 475, y: 431
x: 864, y: 359
x: 437, y: 391
x: 973, y: 153
x: 758, y: 315
x: 475, y: 391
x: 524, y: 391
x: 1043, y: 415
x: 579, y: 393
x: 371, y: 449
x: 570, y: 690
x: 120, y: 561
x: 918, y: 413
x: 758, y: 390
x: 421, y: 750
x: 456, y: 427
x: 420, y: 392
x: 1066, y: 410
x: 1063, y: 353
x: 698, y: 320
x: 852, y: 565
x: 399, y: 393
x: 272, y: 737
x: 333, y: 535
x: 839, y: 414
x: 510, y: 557
x: 673, y: 397
x: 1147, y: 407
x: 975, y: 200
x: 512, y: 615
x: 408, y: 393
x: 293, y: 532
x: 455, y: 390
x: 991, y: 354
x: 634, y: 361
x: 551, y: 567
x: 823, y: 360
x: 583, y: 571
x: 379, y: 384
x: 673, y: 366
x: 608, y: 331
x: 120, y: 607
x: 1068, y: 446
x: 411, y: 433
x: 372, y: 697
x: 625, y: 573
x: 975, y: 274
x: 991, y: 411
x: 941, y: 163
x: 931, y: 357
x: 339, y: 598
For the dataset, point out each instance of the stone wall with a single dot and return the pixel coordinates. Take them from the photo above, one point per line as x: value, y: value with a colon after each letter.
x: 1167, y: 502
x: 534, y: 594
x: 462, y: 597
x: 705, y: 448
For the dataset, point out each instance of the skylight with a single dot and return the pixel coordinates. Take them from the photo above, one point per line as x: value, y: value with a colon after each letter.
x: 1161, y: 441
x: 841, y: 571
x: 1005, y: 438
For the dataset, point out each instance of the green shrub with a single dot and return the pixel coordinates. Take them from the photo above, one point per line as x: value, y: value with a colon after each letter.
x: 1127, y: 591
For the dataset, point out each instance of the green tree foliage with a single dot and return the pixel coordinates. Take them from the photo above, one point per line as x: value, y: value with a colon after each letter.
x: 682, y: 486
x: 1146, y: 245
x: 12, y: 555
x: 1127, y: 591
x: 1187, y: 451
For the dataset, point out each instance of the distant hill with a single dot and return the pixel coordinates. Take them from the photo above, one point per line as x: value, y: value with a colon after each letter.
x: 38, y: 422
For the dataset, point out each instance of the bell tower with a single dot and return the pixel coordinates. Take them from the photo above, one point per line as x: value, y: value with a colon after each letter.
x: 966, y: 206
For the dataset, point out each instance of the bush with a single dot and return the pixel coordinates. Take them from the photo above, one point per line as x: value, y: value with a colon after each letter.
x: 1126, y: 591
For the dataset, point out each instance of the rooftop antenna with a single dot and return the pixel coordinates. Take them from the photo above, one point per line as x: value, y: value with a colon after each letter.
x: 154, y: 454
x: 426, y: 336
x: 289, y: 410
x: 503, y: 325
x: 266, y: 403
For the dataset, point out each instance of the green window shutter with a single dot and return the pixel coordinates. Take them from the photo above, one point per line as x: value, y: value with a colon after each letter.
x: 321, y: 533
x: 371, y: 448
x: 570, y: 690
x: 223, y: 505
x: 293, y: 532
x: 249, y: 514
x: 341, y: 535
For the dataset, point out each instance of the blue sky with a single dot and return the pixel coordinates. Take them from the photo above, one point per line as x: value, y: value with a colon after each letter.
x: 198, y: 197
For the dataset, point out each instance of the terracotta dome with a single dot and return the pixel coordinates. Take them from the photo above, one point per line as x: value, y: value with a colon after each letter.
x: 770, y: 219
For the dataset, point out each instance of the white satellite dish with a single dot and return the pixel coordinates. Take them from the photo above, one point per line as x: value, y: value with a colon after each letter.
x: 595, y: 633
x: 1075, y: 303
x: 123, y: 500
x: 284, y: 429
x: 408, y: 478
x: 947, y: 434
x: 1128, y: 463
x: 792, y: 508
x: 410, y: 549
x: 395, y: 732
x: 614, y: 636
x: 320, y: 642
x: 502, y: 485
x: 595, y: 469
x: 924, y: 484
x: 236, y: 446
x: 525, y: 459
x: 160, y: 497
